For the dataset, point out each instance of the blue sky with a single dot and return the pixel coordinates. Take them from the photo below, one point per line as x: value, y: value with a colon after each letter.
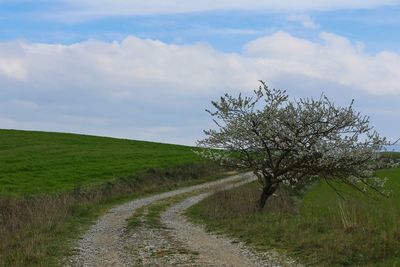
x: 147, y: 70
x: 223, y: 29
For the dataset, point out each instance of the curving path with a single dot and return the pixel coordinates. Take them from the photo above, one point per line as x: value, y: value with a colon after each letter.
x: 174, y: 242
x: 104, y: 243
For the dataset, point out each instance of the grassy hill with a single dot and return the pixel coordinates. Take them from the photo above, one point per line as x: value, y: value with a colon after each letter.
x: 53, y: 185
x: 32, y: 162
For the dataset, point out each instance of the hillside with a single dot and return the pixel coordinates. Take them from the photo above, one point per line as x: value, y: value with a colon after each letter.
x: 32, y: 162
x: 53, y: 185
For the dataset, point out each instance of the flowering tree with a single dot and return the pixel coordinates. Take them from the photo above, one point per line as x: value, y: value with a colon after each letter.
x: 292, y: 142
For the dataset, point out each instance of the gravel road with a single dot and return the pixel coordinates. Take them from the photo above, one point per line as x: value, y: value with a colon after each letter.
x: 179, y: 243
x: 104, y: 243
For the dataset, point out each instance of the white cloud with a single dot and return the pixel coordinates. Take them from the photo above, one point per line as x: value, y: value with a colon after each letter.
x: 305, y: 20
x: 229, y: 31
x: 335, y: 59
x: 88, y: 8
x: 12, y: 68
x: 124, y: 69
x: 102, y: 87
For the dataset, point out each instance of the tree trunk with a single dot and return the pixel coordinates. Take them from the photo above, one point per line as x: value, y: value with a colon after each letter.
x: 267, y: 191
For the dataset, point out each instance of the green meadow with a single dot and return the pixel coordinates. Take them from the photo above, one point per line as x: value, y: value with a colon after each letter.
x: 36, y: 162
x: 317, y: 227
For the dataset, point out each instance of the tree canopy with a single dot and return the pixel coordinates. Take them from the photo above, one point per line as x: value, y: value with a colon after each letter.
x: 292, y: 142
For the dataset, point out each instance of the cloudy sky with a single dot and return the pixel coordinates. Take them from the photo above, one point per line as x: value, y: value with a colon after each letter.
x: 147, y: 69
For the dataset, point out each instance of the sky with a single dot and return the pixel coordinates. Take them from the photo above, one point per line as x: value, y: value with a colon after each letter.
x: 147, y: 70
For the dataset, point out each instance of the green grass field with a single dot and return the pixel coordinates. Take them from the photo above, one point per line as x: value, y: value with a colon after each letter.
x: 319, y: 228
x: 32, y: 162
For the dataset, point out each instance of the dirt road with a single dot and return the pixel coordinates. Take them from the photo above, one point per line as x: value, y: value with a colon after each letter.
x: 171, y: 241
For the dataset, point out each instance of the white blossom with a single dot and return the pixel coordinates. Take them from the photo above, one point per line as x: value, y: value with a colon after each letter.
x: 293, y: 142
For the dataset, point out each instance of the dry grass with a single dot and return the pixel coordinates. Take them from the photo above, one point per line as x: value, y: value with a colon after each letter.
x: 35, y: 231
x: 243, y: 201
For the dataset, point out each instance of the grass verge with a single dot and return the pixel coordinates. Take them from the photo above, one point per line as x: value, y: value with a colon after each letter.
x: 150, y: 215
x: 320, y: 230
